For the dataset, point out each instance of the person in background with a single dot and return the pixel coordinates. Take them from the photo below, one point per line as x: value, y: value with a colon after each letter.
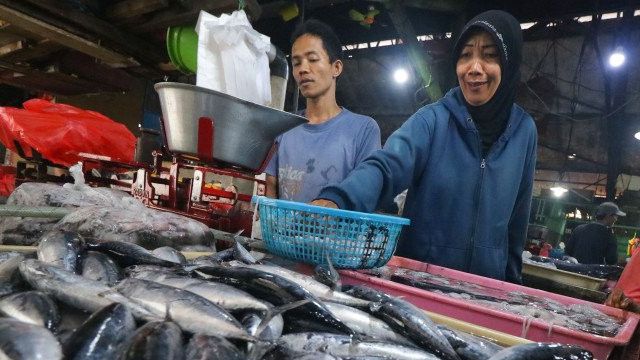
x: 335, y: 140
x: 595, y: 243
x: 468, y: 161
x: 626, y: 293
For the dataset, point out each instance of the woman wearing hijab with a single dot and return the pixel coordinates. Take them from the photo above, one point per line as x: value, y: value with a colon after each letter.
x: 468, y: 161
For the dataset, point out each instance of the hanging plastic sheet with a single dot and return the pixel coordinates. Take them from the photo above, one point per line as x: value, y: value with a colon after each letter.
x: 60, y: 132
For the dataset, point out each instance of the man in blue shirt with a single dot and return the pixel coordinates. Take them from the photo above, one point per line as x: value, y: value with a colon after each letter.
x: 335, y: 140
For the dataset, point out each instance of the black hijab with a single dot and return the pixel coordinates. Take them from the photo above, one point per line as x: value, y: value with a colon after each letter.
x: 491, y: 118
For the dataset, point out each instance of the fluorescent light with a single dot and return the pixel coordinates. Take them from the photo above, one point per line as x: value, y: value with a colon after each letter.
x: 571, y: 156
x: 637, y: 135
x: 616, y: 59
x: 400, y: 76
x: 558, y: 191
x: 525, y: 26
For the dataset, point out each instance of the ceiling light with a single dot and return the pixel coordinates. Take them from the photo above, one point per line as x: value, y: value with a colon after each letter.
x: 616, y: 59
x: 637, y: 135
x: 571, y: 156
x: 558, y: 191
x: 400, y: 76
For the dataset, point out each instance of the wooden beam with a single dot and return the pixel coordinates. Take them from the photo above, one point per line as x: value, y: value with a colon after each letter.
x: 103, y: 30
x: 32, y: 51
x: 64, y: 37
x: 87, y: 68
x: 185, y: 16
x: 129, y: 9
x: 12, y: 47
x: 9, y: 38
x: 6, y: 27
x: 31, y: 83
x: 51, y: 81
x: 272, y: 9
x: 449, y: 6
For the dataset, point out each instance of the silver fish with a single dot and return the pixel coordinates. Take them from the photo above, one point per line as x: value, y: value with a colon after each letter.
x: 318, y: 289
x: 22, y: 341
x: 272, y: 331
x: 543, y: 351
x: 101, y: 336
x: 285, y: 354
x: 365, y: 324
x: 101, y: 268
x: 469, y: 347
x: 240, y: 253
x: 33, y: 307
x: 74, y: 290
x: 328, y: 275
x: 170, y: 254
x: 127, y: 254
x: 416, y: 325
x: 155, y: 341
x: 204, y: 347
x: 9, y: 275
x: 225, y: 296
x: 4, y: 256
x: 61, y: 248
x: 191, y: 312
x: 346, y: 346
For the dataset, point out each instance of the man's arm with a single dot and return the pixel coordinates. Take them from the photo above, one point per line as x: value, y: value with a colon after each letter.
x: 272, y: 187
x: 271, y: 172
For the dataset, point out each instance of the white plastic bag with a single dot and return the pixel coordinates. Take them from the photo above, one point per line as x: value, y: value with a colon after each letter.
x: 400, y: 200
x: 232, y: 57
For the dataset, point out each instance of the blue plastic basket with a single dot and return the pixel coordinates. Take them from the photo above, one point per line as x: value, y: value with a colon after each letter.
x: 307, y: 233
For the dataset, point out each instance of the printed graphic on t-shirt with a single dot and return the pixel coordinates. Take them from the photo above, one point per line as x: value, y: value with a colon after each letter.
x: 328, y: 172
x: 290, y: 181
x: 310, y: 167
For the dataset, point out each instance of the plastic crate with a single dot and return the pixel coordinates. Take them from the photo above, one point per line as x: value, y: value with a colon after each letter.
x: 310, y: 234
x: 536, y: 330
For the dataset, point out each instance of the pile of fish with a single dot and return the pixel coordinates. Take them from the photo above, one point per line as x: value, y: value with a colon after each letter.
x: 82, y: 299
x: 574, y: 316
x: 600, y: 271
x: 26, y: 231
x: 100, y: 213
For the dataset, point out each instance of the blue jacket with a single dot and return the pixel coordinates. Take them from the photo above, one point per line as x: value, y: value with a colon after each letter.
x: 467, y: 212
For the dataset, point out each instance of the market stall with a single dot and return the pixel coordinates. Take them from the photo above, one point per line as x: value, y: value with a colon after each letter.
x: 168, y: 248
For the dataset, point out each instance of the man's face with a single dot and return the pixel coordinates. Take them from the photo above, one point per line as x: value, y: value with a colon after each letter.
x: 313, y: 71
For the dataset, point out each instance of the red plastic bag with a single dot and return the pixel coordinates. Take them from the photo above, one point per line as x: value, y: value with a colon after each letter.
x: 60, y: 132
x: 7, y: 180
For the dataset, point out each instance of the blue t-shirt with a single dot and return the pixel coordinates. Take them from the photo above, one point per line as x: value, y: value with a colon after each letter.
x: 312, y: 156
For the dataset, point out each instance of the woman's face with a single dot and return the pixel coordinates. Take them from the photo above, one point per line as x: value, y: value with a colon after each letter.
x: 478, y: 69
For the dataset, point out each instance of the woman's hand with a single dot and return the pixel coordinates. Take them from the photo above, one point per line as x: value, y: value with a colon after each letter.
x: 324, y: 203
x: 618, y: 299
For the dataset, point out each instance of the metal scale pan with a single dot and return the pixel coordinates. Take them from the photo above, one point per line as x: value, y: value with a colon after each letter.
x: 211, y: 125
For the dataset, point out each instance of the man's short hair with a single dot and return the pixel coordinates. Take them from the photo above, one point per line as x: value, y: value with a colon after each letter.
x: 330, y: 40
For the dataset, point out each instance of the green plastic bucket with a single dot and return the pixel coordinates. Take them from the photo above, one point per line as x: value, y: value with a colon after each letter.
x: 182, y: 46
